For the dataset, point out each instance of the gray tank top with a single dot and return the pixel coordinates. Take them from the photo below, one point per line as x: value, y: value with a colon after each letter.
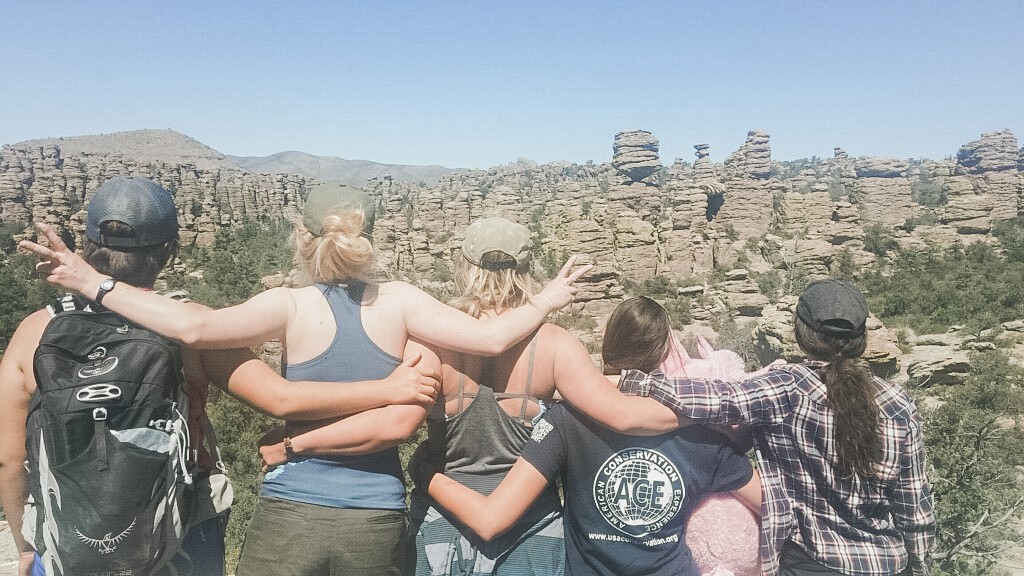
x: 482, y: 442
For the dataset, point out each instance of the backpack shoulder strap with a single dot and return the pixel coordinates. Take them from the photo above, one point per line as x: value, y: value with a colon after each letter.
x: 67, y: 303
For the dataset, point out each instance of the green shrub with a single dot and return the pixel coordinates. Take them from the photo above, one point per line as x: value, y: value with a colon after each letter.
x: 927, y: 191
x: 878, y: 240
x: 933, y: 289
x: 974, y: 456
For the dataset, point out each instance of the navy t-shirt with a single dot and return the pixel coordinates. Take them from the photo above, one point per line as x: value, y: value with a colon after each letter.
x: 627, y: 498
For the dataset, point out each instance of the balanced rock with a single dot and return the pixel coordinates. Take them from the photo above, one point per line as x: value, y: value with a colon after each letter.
x: 635, y: 154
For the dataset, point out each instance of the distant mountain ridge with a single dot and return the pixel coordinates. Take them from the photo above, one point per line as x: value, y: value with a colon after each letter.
x: 334, y: 169
x: 148, y: 145
x: 175, y: 148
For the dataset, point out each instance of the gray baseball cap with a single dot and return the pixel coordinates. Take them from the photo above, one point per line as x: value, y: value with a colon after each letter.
x: 323, y: 199
x: 140, y: 203
x: 488, y: 235
x: 833, y: 307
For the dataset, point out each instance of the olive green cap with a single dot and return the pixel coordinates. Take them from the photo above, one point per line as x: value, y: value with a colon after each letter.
x: 488, y: 235
x: 325, y: 199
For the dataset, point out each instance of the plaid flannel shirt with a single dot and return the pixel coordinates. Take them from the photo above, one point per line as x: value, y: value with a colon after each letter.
x: 874, y: 526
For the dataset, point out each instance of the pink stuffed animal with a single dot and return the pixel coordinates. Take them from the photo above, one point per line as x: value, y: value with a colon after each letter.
x: 722, y: 533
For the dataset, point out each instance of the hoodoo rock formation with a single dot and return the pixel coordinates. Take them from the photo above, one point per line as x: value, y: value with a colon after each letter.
x: 712, y: 228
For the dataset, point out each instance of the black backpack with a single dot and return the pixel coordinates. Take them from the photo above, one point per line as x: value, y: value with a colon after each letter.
x: 108, y: 445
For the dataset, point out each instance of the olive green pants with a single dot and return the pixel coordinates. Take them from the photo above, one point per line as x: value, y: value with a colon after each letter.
x: 286, y: 538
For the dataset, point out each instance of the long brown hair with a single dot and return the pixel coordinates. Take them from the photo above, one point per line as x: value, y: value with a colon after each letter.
x: 636, y: 336
x: 850, y: 390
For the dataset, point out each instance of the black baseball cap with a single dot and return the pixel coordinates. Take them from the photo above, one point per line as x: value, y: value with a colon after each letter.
x: 833, y: 307
x: 140, y: 203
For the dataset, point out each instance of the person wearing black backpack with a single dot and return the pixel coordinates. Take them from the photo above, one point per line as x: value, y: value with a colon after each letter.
x: 141, y: 400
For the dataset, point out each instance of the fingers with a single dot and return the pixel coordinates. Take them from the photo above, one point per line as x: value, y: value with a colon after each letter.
x: 52, y: 252
x: 564, y: 272
x: 578, y: 273
x: 56, y: 244
x: 571, y: 275
x: 37, y: 249
x: 413, y: 359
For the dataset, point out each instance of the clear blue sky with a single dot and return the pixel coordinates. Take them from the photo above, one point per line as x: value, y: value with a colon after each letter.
x: 475, y: 84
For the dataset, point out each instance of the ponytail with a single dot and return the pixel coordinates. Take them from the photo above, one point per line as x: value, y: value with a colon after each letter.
x: 850, y: 390
x: 341, y: 252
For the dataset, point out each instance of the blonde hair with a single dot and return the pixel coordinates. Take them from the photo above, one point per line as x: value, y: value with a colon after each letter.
x: 482, y: 290
x: 339, y: 253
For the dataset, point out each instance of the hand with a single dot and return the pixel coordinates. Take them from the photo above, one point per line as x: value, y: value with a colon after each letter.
x: 62, y: 267
x: 423, y: 465
x: 561, y: 290
x: 413, y: 384
x: 272, y: 450
x: 738, y: 434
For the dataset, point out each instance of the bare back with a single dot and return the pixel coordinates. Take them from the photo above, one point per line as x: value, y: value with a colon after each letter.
x: 519, y: 377
x: 311, y: 326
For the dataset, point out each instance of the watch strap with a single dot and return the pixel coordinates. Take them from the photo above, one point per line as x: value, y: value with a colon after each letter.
x: 103, y: 291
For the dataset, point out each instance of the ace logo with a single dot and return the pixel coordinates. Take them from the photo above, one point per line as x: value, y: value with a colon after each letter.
x: 638, y: 491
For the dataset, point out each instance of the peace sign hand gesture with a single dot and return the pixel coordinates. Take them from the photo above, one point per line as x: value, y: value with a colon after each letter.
x: 62, y: 267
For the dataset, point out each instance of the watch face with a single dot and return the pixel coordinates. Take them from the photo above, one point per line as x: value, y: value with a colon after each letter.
x: 107, y: 284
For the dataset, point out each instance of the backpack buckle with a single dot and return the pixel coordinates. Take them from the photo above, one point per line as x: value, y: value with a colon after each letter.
x: 99, y: 414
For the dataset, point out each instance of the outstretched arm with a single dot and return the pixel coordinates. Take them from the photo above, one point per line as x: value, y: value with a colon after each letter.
x: 489, y: 516
x: 757, y: 401
x: 583, y: 386
x: 263, y: 317
x: 250, y: 380
x: 439, y: 324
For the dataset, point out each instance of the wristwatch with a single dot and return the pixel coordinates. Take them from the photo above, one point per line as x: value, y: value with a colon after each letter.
x: 105, y: 286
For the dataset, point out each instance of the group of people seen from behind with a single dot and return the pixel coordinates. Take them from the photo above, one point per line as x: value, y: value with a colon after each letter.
x: 536, y: 461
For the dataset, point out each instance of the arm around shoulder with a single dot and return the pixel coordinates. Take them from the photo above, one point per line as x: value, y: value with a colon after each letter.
x: 439, y: 324
x: 590, y: 391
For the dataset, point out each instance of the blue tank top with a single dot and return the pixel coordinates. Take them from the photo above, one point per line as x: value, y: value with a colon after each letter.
x: 365, y: 481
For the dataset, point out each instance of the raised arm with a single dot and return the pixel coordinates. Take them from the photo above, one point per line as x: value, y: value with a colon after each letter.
x: 250, y: 380
x: 489, y: 516
x: 583, y: 386
x: 261, y: 318
x: 441, y: 325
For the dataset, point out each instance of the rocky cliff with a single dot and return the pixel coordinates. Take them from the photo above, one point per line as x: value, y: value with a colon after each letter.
x: 634, y: 217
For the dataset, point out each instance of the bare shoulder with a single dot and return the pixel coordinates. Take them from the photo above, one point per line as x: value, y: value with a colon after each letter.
x: 397, y: 294
x: 31, y: 329
x: 552, y: 335
x: 394, y: 288
x: 16, y: 363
